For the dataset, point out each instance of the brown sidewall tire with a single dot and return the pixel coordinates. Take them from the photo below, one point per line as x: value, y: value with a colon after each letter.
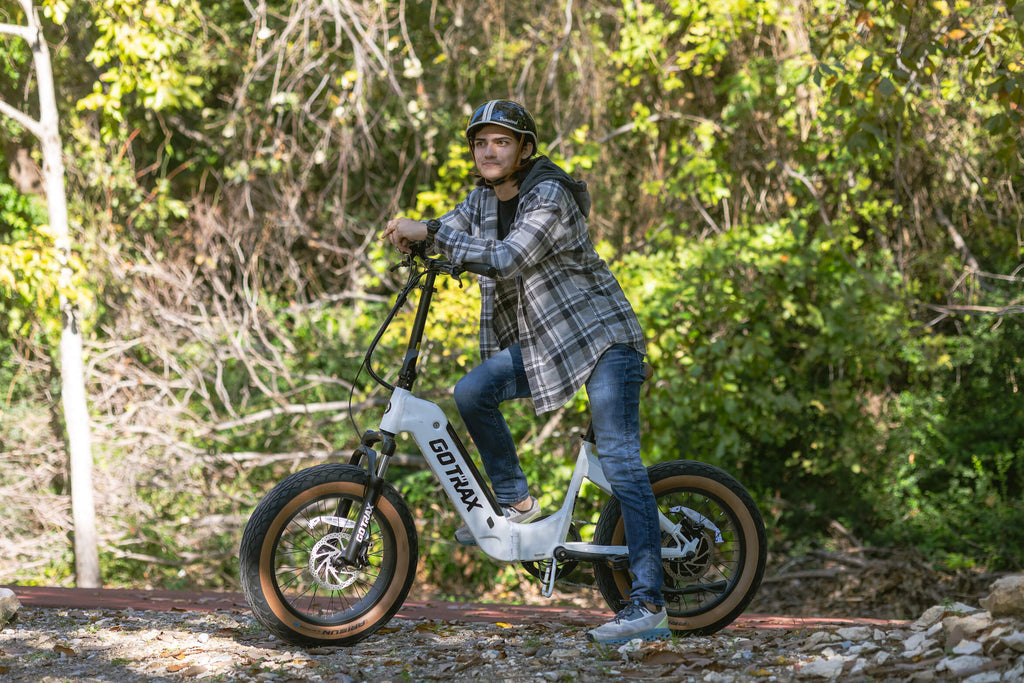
x: 729, y: 494
x: 271, y: 607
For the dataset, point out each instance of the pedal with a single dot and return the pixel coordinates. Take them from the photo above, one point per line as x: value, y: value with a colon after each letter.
x: 619, y: 563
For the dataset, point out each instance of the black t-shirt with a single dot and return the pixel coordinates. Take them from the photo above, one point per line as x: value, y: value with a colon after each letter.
x: 506, y: 215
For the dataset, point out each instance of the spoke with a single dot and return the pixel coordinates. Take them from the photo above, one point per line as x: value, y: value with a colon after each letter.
x: 313, y: 594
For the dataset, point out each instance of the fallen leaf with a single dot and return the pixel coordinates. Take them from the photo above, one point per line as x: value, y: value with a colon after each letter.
x: 663, y: 657
x: 193, y: 670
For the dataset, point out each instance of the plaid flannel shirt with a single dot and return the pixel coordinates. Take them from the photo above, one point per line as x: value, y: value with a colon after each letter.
x: 552, y: 293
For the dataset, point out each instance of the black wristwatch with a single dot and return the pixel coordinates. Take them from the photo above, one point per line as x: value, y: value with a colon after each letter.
x: 433, y: 225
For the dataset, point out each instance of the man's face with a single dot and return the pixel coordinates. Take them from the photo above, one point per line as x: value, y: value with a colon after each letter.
x: 494, y: 151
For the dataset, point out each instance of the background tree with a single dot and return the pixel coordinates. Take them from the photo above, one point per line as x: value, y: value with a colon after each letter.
x: 73, y: 395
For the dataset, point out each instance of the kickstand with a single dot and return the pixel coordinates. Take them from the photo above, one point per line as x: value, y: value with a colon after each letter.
x: 549, y: 578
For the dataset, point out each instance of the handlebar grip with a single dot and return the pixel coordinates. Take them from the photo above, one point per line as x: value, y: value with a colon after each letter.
x: 480, y: 269
x: 419, y: 248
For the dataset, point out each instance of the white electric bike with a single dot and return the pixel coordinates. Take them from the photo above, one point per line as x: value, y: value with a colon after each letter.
x: 329, y: 555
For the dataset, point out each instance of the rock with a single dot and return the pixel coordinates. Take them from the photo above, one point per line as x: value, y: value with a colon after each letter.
x: 962, y: 666
x: 1014, y: 641
x: 1016, y: 673
x: 934, y: 615
x: 1007, y: 597
x: 985, y: 677
x: 855, y: 633
x: 967, y: 647
x: 817, y: 639
x: 931, y: 616
x: 958, y: 628
x: 822, y: 668
x: 918, y: 646
x: 9, y: 606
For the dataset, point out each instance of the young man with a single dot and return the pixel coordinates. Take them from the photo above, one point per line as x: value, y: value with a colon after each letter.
x: 553, y: 319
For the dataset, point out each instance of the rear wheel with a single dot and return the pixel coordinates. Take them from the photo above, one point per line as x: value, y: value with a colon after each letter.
x: 291, y: 558
x: 706, y: 592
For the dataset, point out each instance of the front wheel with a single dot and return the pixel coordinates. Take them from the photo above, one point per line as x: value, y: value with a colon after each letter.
x: 706, y: 592
x: 291, y: 563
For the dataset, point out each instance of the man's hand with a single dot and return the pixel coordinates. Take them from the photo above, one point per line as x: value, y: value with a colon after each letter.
x: 401, y: 231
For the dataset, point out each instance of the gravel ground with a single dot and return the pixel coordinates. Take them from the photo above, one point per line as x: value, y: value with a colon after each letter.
x: 113, y: 635
x: 127, y: 645
x: 147, y: 645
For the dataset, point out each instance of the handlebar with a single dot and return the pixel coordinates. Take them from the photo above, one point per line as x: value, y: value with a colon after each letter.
x: 419, y: 250
x: 420, y: 266
x: 480, y: 269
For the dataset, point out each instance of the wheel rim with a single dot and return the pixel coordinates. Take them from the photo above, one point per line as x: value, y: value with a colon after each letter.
x: 696, y: 585
x: 305, y: 573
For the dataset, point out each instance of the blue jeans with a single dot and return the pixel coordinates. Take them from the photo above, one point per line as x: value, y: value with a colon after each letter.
x: 614, y: 392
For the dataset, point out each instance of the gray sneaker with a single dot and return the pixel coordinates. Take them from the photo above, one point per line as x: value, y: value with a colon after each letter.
x: 633, y: 621
x: 464, y: 536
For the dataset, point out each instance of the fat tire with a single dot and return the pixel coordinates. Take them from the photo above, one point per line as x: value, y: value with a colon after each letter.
x: 734, y: 566
x: 274, y: 559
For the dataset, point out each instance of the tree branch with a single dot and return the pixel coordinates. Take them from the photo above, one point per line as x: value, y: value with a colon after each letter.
x: 958, y: 240
x: 26, y: 121
x: 1009, y: 309
x: 252, y: 459
x: 23, y: 32
x: 297, y: 409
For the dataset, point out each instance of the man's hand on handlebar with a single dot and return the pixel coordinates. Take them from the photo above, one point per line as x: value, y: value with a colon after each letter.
x: 402, y: 232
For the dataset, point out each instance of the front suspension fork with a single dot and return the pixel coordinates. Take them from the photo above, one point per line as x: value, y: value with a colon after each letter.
x: 356, y: 549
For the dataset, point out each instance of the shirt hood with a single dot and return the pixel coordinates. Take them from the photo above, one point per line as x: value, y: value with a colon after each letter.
x: 545, y: 169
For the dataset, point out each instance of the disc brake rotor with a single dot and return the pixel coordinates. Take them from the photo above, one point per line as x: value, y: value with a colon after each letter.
x: 326, y: 564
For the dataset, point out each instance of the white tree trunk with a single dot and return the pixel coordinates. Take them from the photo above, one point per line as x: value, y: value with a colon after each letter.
x: 72, y: 371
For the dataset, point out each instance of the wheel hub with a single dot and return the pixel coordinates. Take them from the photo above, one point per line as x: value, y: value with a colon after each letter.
x: 696, y: 566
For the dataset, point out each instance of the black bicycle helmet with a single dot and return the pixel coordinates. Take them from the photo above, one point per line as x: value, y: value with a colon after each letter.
x: 511, y: 115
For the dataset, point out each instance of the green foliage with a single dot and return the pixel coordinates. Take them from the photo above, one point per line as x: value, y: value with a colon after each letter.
x: 768, y: 355
x: 958, y: 470
x: 147, y: 51
x: 30, y: 272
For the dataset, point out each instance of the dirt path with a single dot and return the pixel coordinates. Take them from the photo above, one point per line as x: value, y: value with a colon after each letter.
x: 438, y: 610
x: 128, y: 636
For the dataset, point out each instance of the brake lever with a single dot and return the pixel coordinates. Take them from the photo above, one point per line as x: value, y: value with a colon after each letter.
x: 404, y: 263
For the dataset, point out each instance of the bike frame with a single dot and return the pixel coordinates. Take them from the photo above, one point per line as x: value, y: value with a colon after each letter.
x: 448, y: 459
